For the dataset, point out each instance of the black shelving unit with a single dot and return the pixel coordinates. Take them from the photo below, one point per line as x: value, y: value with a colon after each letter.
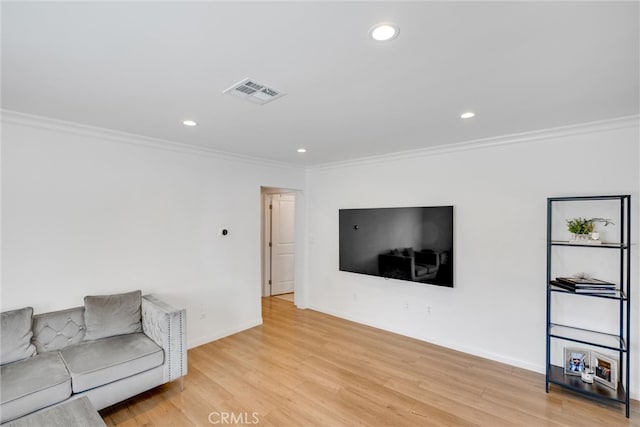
x: 614, y: 342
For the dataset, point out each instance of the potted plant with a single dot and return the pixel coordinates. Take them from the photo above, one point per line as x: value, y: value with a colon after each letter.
x: 583, y: 229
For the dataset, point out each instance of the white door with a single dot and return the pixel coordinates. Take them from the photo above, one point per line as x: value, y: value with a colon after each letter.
x: 282, y: 243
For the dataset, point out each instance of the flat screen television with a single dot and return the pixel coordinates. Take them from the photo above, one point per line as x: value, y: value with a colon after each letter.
x: 413, y: 244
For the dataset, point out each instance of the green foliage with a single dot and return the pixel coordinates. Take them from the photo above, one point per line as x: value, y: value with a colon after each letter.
x: 580, y: 225
x: 584, y: 225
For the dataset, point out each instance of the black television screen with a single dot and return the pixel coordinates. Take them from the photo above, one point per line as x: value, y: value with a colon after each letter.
x: 414, y: 244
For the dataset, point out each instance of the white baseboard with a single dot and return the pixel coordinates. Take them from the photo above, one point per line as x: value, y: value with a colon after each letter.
x: 223, y: 333
x: 454, y: 346
x: 634, y: 393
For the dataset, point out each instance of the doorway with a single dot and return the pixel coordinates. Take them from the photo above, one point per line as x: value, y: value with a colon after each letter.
x: 279, y: 243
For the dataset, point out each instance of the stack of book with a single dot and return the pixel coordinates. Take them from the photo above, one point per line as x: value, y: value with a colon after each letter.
x: 585, y: 286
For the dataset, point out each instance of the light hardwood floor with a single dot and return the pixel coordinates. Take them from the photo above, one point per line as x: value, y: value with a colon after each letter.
x: 302, y: 368
x: 286, y: 297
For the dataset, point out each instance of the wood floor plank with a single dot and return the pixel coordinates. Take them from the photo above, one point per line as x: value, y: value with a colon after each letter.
x: 304, y: 368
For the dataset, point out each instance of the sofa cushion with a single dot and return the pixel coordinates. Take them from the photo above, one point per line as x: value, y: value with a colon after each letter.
x: 422, y: 269
x: 95, y: 363
x: 15, y: 340
x: 110, y: 315
x: 32, y: 384
x: 58, y: 329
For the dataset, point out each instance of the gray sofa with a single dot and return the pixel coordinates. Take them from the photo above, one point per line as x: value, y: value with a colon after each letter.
x: 68, y: 354
x: 407, y: 264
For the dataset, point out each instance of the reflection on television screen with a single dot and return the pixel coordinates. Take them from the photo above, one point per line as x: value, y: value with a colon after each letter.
x: 413, y: 244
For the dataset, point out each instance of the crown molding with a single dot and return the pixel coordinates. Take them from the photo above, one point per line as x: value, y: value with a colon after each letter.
x: 483, y: 143
x: 9, y: 116
x: 56, y: 125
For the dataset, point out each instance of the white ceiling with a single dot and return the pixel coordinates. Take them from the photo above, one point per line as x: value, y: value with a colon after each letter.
x: 144, y: 67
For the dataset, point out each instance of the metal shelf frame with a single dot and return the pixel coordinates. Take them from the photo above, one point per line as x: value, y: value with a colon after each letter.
x: 555, y: 374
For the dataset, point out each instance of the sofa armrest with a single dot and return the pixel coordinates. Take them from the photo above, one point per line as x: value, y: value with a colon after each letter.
x: 166, y: 326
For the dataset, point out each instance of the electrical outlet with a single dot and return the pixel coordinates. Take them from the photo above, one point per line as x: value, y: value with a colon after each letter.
x: 428, y: 309
x: 406, y: 306
x: 355, y: 297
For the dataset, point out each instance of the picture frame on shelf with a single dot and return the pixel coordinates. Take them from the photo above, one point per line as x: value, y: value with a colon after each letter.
x: 605, y: 370
x: 576, y: 360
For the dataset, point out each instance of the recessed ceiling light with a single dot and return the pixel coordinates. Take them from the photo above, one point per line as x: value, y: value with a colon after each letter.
x: 384, y: 32
x: 467, y: 115
x: 189, y: 123
x: 302, y: 150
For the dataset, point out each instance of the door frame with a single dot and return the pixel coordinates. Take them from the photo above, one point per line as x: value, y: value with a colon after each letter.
x: 300, y: 299
x: 265, y: 250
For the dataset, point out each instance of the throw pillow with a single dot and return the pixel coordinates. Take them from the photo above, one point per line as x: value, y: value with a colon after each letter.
x: 110, y: 315
x: 16, y: 335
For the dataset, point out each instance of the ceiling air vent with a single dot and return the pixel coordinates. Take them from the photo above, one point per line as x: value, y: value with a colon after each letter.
x: 254, y: 92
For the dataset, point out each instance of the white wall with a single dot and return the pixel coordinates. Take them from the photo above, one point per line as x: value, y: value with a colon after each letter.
x: 85, y: 213
x: 497, y: 307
